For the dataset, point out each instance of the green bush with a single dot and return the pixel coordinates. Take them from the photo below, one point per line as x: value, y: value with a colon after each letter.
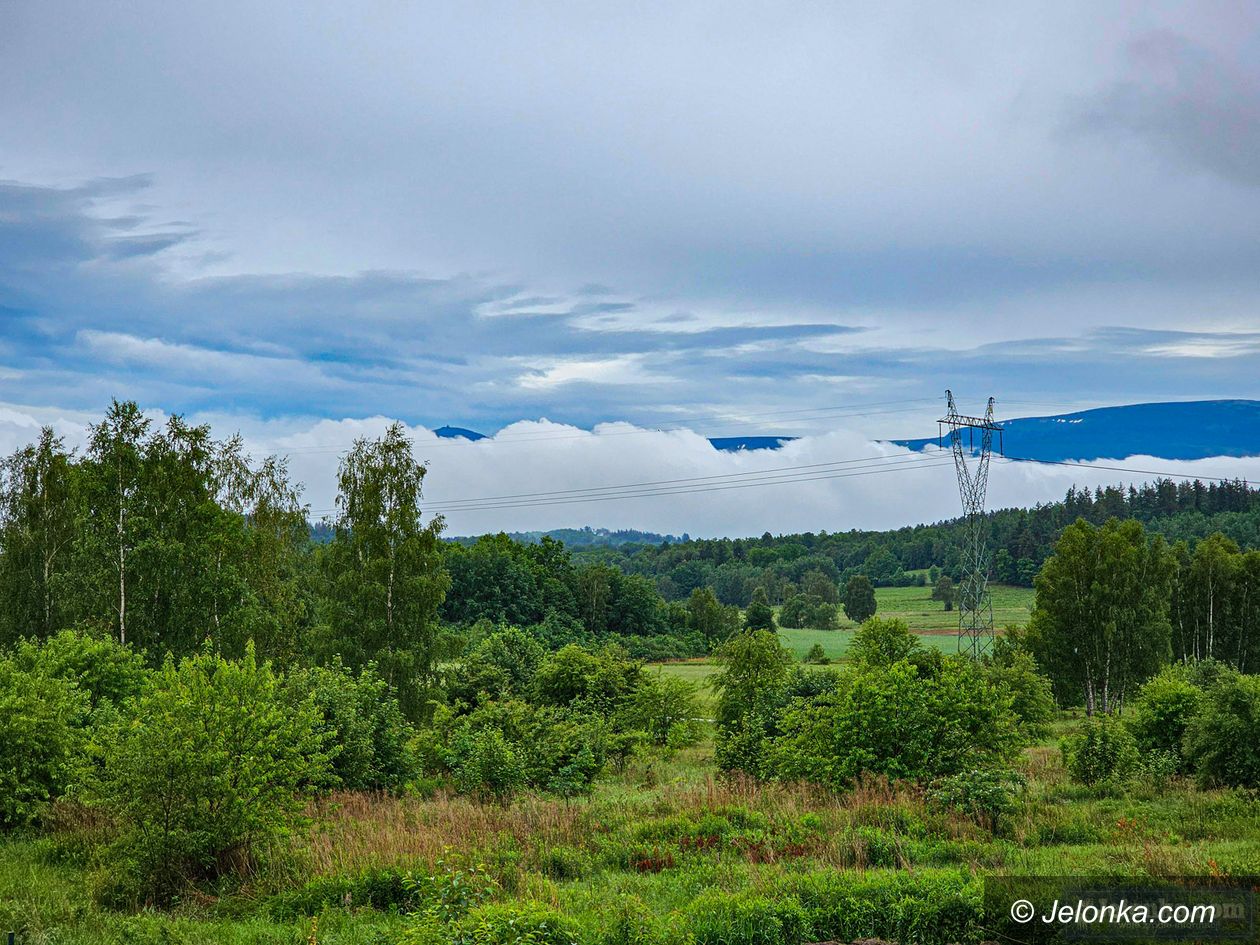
x: 40, y: 740
x: 557, y: 749
x: 105, y: 670
x: 897, y: 722
x: 746, y: 918
x: 502, y: 664
x: 487, y: 767
x: 450, y: 890
x: 986, y: 794
x: 1102, y: 750
x: 1032, y: 695
x: 365, y: 731
x: 664, y: 707
x: 880, y: 642
x: 1222, y: 740
x: 817, y: 655
x: 573, y: 676
x: 518, y: 923
x: 1161, y: 712
x: 751, y: 688
x: 212, y: 768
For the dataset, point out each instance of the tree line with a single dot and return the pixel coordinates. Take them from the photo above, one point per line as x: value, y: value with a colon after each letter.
x: 1116, y: 603
x: 1020, y: 540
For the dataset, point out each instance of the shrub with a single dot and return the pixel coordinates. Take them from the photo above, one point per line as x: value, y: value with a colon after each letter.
x: 1222, y: 741
x: 898, y: 722
x: 1161, y: 712
x: 504, y: 663
x: 450, y: 890
x: 1103, y: 750
x: 560, y: 750
x: 597, y: 681
x: 213, y: 767
x: 518, y: 923
x: 751, y: 689
x: 664, y: 707
x: 985, y: 794
x: 366, y: 733
x: 817, y: 655
x: 1032, y: 696
x: 40, y: 719
x: 487, y: 767
x: 746, y: 918
x: 105, y: 670
x: 882, y: 642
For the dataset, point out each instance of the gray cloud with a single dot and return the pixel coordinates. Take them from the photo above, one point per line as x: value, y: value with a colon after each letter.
x: 489, y: 211
x: 1188, y: 102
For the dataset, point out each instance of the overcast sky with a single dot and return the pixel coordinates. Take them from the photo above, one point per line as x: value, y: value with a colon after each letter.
x: 724, y: 216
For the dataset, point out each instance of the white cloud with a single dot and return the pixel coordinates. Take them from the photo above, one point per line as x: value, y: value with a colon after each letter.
x: 1222, y: 347
x: 837, y: 481
x: 625, y: 369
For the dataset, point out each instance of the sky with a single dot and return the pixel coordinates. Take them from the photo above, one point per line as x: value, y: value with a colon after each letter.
x: 300, y: 219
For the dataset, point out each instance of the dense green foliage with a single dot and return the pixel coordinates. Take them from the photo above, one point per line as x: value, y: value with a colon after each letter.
x: 361, y: 723
x: 1100, y: 624
x: 40, y: 740
x: 859, y: 598
x: 1161, y: 711
x: 1103, y: 750
x: 1222, y: 739
x: 208, y: 769
x: 899, y: 721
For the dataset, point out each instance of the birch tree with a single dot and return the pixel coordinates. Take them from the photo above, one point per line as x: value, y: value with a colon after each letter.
x: 383, y: 574
x: 37, y: 529
x: 1100, y: 624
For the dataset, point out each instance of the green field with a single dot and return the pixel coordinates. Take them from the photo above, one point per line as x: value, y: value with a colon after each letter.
x: 935, y: 626
x: 914, y: 605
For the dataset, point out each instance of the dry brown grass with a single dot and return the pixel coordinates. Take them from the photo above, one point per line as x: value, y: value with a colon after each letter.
x: 355, y: 831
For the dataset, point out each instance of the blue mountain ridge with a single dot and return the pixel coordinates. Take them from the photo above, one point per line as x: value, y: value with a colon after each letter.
x: 1178, y: 430
x: 1175, y: 430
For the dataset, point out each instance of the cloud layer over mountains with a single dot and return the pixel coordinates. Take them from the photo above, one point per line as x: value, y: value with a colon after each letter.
x: 519, y: 477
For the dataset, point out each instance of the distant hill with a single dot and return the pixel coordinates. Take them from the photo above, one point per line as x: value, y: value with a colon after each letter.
x: 727, y: 444
x: 1179, y: 430
x: 589, y: 537
x: 456, y: 433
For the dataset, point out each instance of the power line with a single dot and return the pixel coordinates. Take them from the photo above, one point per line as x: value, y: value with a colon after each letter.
x: 755, y: 473
x: 1129, y: 469
x: 758, y: 479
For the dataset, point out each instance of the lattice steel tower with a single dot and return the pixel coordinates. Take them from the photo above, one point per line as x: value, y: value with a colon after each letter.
x: 975, y: 606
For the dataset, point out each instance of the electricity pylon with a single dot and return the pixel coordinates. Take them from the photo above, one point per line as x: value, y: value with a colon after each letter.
x: 975, y: 605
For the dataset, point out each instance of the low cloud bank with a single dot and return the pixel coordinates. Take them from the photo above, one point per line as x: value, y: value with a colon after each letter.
x: 522, y: 478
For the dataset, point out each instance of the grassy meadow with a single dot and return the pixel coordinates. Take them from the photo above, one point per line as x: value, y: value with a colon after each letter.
x: 927, y: 618
x: 652, y: 853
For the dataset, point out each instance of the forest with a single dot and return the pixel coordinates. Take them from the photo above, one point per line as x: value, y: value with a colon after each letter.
x: 220, y: 725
